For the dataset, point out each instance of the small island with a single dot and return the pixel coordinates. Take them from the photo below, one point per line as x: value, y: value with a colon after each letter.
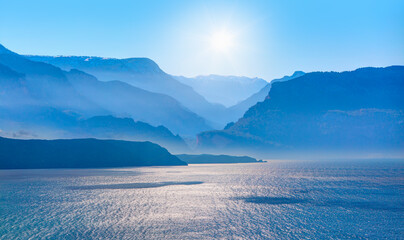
x: 209, y: 158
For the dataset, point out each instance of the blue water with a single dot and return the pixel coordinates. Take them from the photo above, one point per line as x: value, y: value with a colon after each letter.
x: 274, y: 200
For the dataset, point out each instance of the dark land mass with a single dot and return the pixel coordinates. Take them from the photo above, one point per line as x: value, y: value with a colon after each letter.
x: 82, y: 153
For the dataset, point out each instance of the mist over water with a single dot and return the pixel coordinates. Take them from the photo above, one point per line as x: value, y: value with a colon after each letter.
x: 278, y: 199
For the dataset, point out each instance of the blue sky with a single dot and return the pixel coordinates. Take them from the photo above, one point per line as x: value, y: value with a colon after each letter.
x: 269, y: 39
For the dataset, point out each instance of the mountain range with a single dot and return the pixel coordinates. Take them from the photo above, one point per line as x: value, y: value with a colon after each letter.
x: 145, y: 74
x: 34, y: 93
x: 142, y: 73
x: 133, y: 99
x: 41, y: 100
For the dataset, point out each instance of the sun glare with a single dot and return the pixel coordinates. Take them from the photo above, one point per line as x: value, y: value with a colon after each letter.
x: 222, y: 41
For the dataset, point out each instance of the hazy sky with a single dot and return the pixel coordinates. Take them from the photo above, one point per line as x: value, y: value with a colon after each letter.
x: 265, y: 38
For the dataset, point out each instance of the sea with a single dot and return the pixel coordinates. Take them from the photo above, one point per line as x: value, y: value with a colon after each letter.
x: 278, y: 199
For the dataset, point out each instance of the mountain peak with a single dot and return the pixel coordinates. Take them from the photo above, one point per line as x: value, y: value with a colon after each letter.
x: 298, y: 73
x: 4, y: 50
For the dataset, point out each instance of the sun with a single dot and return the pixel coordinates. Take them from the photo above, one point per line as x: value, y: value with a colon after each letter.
x: 222, y: 41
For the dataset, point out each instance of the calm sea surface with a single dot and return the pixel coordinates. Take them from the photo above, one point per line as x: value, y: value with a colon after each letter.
x: 274, y: 200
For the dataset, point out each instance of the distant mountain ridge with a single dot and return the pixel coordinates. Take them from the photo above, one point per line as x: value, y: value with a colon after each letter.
x: 225, y: 90
x: 109, y: 127
x: 126, y: 100
x: 52, y: 123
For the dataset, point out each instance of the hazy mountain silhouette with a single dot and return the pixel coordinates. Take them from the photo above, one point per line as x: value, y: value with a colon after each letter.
x: 126, y: 129
x: 41, y: 85
x: 126, y: 100
x: 82, y: 153
x: 40, y: 100
x: 225, y: 90
x: 142, y: 73
x: 357, y: 110
x: 12, y: 89
x: 51, y: 123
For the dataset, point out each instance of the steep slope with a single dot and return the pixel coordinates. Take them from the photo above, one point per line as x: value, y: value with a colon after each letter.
x: 142, y: 73
x: 358, y: 110
x: 12, y: 88
x: 240, y: 108
x: 82, y: 153
x: 225, y: 90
